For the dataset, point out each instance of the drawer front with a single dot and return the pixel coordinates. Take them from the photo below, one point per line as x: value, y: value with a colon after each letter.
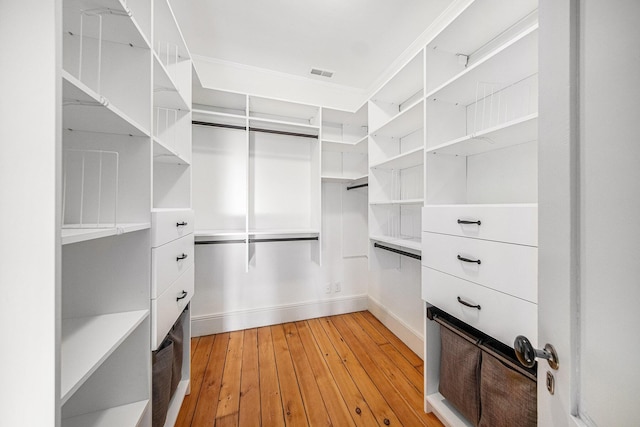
x: 502, y: 223
x: 502, y: 316
x: 166, y: 309
x: 168, y: 262
x: 508, y: 268
x: 170, y: 225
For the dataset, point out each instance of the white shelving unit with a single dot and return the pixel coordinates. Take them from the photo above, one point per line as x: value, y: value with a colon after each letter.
x: 105, y: 368
x: 257, y: 170
x: 480, y: 190
x: 344, y: 145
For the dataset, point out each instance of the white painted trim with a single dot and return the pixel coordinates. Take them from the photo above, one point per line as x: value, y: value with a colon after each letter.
x: 253, y: 318
x: 412, y: 338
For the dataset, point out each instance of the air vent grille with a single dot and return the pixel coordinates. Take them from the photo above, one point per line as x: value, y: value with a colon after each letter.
x: 323, y: 73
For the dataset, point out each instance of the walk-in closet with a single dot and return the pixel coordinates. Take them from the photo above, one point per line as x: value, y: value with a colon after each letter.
x: 407, y: 213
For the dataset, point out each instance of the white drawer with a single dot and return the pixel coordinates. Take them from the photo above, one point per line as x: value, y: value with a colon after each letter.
x: 502, y: 223
x: 168, y: 262
x: 502, y: 316
x: 166, y: 309
x: 508, y: 268
x: 170, y: 224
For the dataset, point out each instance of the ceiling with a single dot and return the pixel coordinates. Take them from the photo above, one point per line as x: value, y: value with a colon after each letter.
x: 355, y: 39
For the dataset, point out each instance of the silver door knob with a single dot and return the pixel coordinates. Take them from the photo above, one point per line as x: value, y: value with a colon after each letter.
x: 526, y: 354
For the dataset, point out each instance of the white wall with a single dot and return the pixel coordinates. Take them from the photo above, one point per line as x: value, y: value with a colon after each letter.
x: 29, y: 274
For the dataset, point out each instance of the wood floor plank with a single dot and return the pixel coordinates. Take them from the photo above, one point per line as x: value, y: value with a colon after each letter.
x: 230, y: 420
x: 335, y: 404
x: 194, y: 345
x: 413, y: 358
x: 250, y: 386
x: 311, y: 397
x: 376, y: 362
x: 382, y: 411
x: 271, y: 412
x: 199, y: 359
x: 294, y: 410
x: 358, y: 407
x: 205, y: 413
x: 229, y: 396
x: 395, y: 388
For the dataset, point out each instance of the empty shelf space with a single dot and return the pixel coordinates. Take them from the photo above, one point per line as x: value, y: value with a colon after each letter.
x: 89, y: 341
x: 124, y: 415
x: 404, y: 123
x: 359, y: 146
x: 520, y: 53
x: 119, y: 25
x: 402, y: 161
x: 74, y: 235
x: 514, y: 132
x: 165, y: 154
x: 165, y: 92
x: 413, y: 243
x: 87, y: 110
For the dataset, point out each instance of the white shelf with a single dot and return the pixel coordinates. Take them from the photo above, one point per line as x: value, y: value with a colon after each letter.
x: 199, y: 114
x: 119, y: 26
x: 125, y: 415
x: 283, y: 125
x: 445, y: 412
x: 514, y: 132
x: 341, y: 179
x: 75, y: 235
x: 88, y: 341
x: 404, y: 84
x: 398, y: 202
x: 219, y: 235
x: 310, y: 232
x: 86, y: 110
x: 414, y: 244
x: 358, y: 146
x: 164, y: 154
x: 175, y: 403
x: 404, y: 123
x: 406, y: 160
x: 166, y: 93
x: 509, y: 63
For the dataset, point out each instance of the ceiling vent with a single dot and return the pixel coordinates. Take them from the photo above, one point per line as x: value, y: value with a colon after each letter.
x: 323, y: 73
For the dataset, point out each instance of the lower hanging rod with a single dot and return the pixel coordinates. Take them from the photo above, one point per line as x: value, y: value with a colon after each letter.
x: 397, y: 251
x: 353, y: 187
x: 254, y: 240
x: 252, y: 129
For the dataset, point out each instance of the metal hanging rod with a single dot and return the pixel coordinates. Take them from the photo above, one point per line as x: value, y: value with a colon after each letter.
x: 252, y: 129
x: 353, y: 187
x: 397, y: 251
x: 257, y: 240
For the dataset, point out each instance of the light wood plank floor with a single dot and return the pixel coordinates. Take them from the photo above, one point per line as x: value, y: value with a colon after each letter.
x: 346, y: 370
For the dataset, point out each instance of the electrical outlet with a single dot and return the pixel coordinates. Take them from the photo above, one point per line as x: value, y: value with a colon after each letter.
x: 327, y: 288
x: 337, y: 286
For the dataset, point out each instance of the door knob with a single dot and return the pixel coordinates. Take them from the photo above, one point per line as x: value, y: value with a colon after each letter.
x: 526, y: 354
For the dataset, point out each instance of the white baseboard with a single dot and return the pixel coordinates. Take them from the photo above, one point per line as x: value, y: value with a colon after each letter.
x: 254, y: 318
x: 412, y: 338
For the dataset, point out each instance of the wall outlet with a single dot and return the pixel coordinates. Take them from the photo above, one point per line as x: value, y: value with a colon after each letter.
x: 337, y: 286
x: 327, y: 288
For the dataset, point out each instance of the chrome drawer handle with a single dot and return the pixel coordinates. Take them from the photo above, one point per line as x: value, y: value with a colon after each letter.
x: 462, y: 221
x: 477, y: 261
x: 181, y: 224
x: 463, y: 302
x: 183, y: 256
x: 182, y: 296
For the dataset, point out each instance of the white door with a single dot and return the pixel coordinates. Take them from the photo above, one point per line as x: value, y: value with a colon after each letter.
x: 589, y: 268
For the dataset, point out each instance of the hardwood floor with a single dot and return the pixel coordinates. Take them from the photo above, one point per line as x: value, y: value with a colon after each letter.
x: 346, y: 370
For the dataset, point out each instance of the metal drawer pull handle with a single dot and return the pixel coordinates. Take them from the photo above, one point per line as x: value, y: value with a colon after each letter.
x: 182, y: 296
x: 183, y: 256
x: 181, y: 224
x: 463, y: 302
x: 462, y: 221
x: 477, y: 261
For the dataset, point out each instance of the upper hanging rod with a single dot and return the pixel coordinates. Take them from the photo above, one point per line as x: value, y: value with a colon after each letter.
x: 252, y: 129
x: 256, y: 240
x: 358, y: 186
x: 397, y: 251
